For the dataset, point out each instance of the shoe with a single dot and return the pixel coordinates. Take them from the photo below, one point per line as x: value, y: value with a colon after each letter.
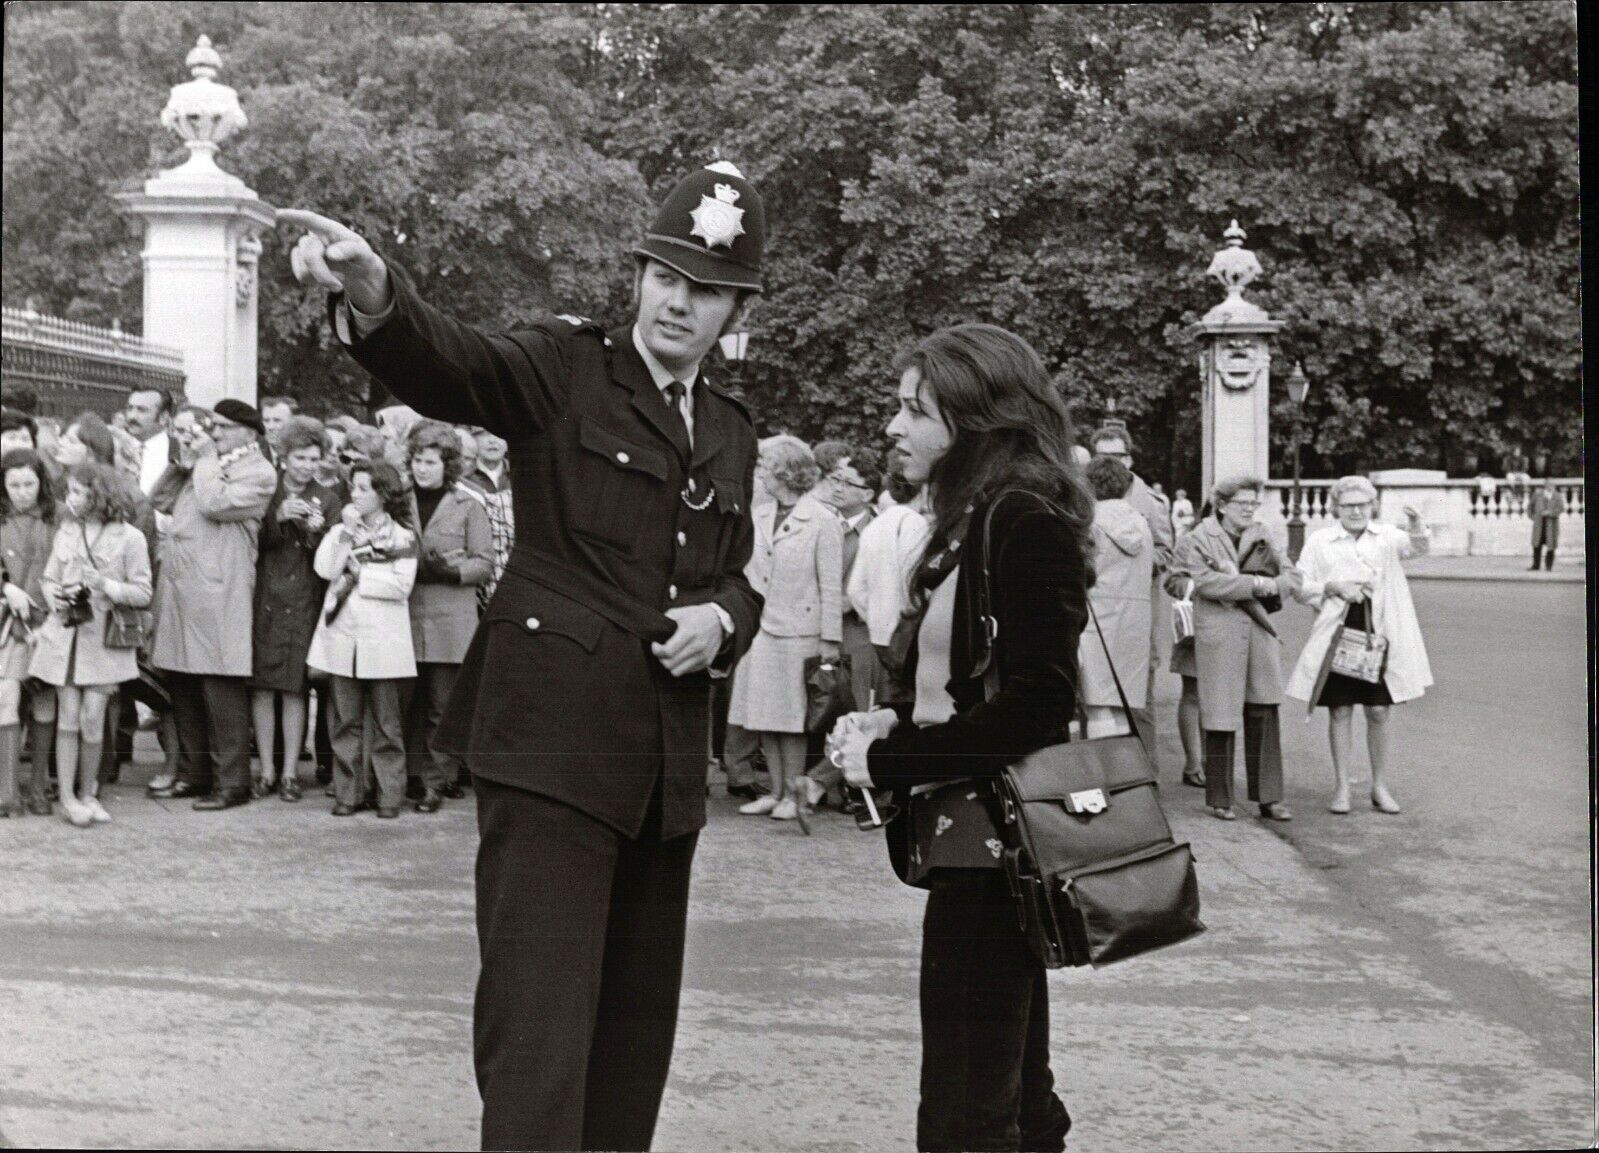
x: 452, y: 791
x: 1223, y: 814
x: 261, y: 788
x: 76, y: 812
x: 784, y: 810
x: 1196, y: 780
x: 39, y: 807
x: 431, y: 800
x: 759, y: 807
x: 1276, y: 811
x: 343, y: 810
x: 1339, y: 805
x: 388, y: 812
x: 97, y: 812
x: 178, y: 790
x: 749, y: 792
x: 1384, y: 803
x: 290, y: 789
x: 158, y: 784
x: 219, y: 801
x: 327, y: 790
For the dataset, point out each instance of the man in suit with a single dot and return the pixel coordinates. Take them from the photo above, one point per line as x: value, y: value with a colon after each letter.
x: 1545, y: 508
x: 581, y: 706
x: 1113, y: 440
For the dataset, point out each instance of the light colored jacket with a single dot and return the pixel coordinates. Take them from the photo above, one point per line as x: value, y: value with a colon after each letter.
x: 803, y: 563
x: 205, y: 598
x: 370, y: 638
x: 1124, y: 564
x: 879, y: 581
x: 122, y: 557
x: 1238, y: 661
x: 444, y: 616
x: 1332, y: 554
x: 1154, y: 509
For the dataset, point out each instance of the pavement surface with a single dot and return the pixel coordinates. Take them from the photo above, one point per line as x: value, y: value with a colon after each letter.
x: 272, y: 977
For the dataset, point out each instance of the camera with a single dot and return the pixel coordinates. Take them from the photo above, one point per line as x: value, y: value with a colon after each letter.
x: 78, y: 610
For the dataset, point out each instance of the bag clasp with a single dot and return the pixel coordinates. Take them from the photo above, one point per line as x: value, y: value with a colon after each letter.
x: 1088, y: 801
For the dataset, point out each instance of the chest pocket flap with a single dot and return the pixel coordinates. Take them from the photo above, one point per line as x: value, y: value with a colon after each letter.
x: 537, y: 611
x: 621, y: 452
x: 729, y: 494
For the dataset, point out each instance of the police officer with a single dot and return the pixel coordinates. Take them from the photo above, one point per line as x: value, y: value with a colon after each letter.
x: 581, y: 707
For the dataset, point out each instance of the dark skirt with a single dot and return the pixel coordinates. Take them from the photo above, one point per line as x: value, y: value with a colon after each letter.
x: 1340, y: 691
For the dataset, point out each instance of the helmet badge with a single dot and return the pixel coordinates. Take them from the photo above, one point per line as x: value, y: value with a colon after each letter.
x: 718, y: 220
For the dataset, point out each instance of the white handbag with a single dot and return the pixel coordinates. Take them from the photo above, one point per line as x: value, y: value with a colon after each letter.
x: 1182, y: 617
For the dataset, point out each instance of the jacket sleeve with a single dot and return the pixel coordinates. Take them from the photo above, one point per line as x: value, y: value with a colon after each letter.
x: 232, y: 500
x: 1160, y: 528
x: 512, y: 385
x: 1229, y: 588
x: 478, y: 565
x: 1040, y: 594
x: 331, y: 553
x: 50, y: 579
x: 135, y: 588
x: 390, y: 580
x: 830, y: 577
x: 733, y: 591
x: 1313, y: 574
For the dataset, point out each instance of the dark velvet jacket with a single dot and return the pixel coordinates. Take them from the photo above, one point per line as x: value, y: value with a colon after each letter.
x: 1039, y: 590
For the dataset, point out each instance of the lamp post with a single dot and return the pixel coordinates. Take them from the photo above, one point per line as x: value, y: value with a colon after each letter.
x: 1298, y: 388
x: 735, y: 347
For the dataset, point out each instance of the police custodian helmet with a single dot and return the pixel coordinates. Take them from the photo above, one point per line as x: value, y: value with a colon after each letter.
x: 711, y: 228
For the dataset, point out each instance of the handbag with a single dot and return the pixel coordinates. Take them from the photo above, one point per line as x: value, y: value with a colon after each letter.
x: 1358, y: 653
x: 1089, y: 856
x: 1182, y: 617
x: 828, y: 692
x: 126, y: 627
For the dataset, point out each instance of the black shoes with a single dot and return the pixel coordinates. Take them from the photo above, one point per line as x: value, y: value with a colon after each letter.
x: 178, y: 790
x: 452, y: 790
x: 748, y: 792
x: 222, y: 800
x: 343, y: 810
x: 430, y: 802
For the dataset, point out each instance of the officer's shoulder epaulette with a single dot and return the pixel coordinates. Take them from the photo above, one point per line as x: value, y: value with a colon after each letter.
x: 565, y: 326
x: 736, y: 399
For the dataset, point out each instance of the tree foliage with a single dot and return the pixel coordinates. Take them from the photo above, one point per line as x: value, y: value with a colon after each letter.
x: 1406, y: 172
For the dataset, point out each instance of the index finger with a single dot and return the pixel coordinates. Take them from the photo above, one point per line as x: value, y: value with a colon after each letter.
x: 327, y: 230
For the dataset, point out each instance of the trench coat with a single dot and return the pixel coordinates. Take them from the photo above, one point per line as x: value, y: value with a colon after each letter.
x: 1124, y: 561
x: 288, y: 592
x: 370, y: 638
x: 619, y: 517
x: 444, y: 616
x: 119, y: 551
x: 1332, y: 554
x: 204, y: 601
x: 1237, y: 660
x: 1546, y: 508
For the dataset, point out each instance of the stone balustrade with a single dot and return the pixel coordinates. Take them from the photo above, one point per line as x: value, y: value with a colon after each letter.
x: 1467, y: 517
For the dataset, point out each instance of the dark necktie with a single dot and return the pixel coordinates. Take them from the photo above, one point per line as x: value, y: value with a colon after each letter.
x: 675, y: 391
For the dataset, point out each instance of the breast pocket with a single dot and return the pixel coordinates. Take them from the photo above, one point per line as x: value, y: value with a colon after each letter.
x: 618, y: 482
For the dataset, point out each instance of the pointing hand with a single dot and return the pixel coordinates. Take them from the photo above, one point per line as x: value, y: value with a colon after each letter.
x: 337, y: 259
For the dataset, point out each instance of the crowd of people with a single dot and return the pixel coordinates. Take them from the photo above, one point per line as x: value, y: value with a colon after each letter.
x: 206, y: 571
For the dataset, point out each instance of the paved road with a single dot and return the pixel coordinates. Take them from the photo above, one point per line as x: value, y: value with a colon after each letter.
x: 273, y: 977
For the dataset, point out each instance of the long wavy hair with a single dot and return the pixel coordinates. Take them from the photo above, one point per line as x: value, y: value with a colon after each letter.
x: 1009, y: 429
x: 28, y: 459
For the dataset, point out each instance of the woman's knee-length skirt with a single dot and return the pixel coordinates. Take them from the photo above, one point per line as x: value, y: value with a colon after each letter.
x: 769, y: 684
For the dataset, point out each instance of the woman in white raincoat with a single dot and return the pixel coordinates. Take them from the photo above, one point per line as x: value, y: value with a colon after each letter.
x: 1356, y: 564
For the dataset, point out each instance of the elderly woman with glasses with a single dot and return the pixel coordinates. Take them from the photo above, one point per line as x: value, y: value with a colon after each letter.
x: 1353, y: 575
x: 1239, y: 577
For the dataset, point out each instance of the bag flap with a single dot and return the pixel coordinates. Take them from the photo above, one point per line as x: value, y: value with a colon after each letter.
x: 1056, y: 772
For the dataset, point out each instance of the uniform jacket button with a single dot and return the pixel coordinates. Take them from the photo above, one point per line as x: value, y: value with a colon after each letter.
x: 623, y: 457
x: 671, y: 592
x: 532, y: 622
x: 682, y: 539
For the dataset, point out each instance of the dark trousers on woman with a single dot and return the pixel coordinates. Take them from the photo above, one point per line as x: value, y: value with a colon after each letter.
x: 368, y: 741
x: 580, y: 931
x: 986, y: 1081
x: 1263, y: 759
x: 213, y: 722
x: 423, y: 701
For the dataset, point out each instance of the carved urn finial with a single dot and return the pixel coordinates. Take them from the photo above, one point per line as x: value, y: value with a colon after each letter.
x: 1234, y: 267
x: 202, y: 112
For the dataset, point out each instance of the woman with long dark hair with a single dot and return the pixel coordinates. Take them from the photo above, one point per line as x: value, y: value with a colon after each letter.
x: 27, y: 533
x: 981, y: 423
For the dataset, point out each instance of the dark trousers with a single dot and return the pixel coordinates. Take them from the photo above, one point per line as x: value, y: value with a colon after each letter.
x: 423, y: 701
x: 322, y: 733
x: 986, y: 1081
x: 368, y: 741
x: 213, y: 721
x: 1263, y: 759
x: 580, y: 931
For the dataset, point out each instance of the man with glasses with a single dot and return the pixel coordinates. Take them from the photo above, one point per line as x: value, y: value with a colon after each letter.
x: 1113, y: 441
x: 850, y: 482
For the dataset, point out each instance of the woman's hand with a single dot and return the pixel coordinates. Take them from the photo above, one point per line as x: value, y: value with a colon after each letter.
x: 292, y: 508
x: 313, y: 517
x: 350, y: 517
x: 830, y: 651
x: 1413, y: 520
x: 1352, y: 591
x: 852, y: 736
x: 18, y: 600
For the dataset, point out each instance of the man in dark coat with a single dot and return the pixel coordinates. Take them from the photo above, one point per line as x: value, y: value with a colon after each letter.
x: 581, y: 706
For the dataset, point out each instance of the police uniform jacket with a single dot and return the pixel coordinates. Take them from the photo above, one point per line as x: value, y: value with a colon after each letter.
x: 618, y: 520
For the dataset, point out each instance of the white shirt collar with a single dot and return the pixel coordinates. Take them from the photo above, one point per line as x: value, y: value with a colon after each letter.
x: 659, y: 373
x: 855, y: 521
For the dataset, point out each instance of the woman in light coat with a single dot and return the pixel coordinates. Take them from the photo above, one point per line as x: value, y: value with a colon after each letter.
x: 1236, y: 651
x: 1353, y: 575
x: 1124, y: 566
x: 456, y: 557
x: 98, y: 560
x: 363, y: 639
x: 799, y: 544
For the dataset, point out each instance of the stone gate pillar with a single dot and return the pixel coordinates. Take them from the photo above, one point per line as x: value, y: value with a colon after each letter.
x: 1235, y: 369
x: 200, y: 242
